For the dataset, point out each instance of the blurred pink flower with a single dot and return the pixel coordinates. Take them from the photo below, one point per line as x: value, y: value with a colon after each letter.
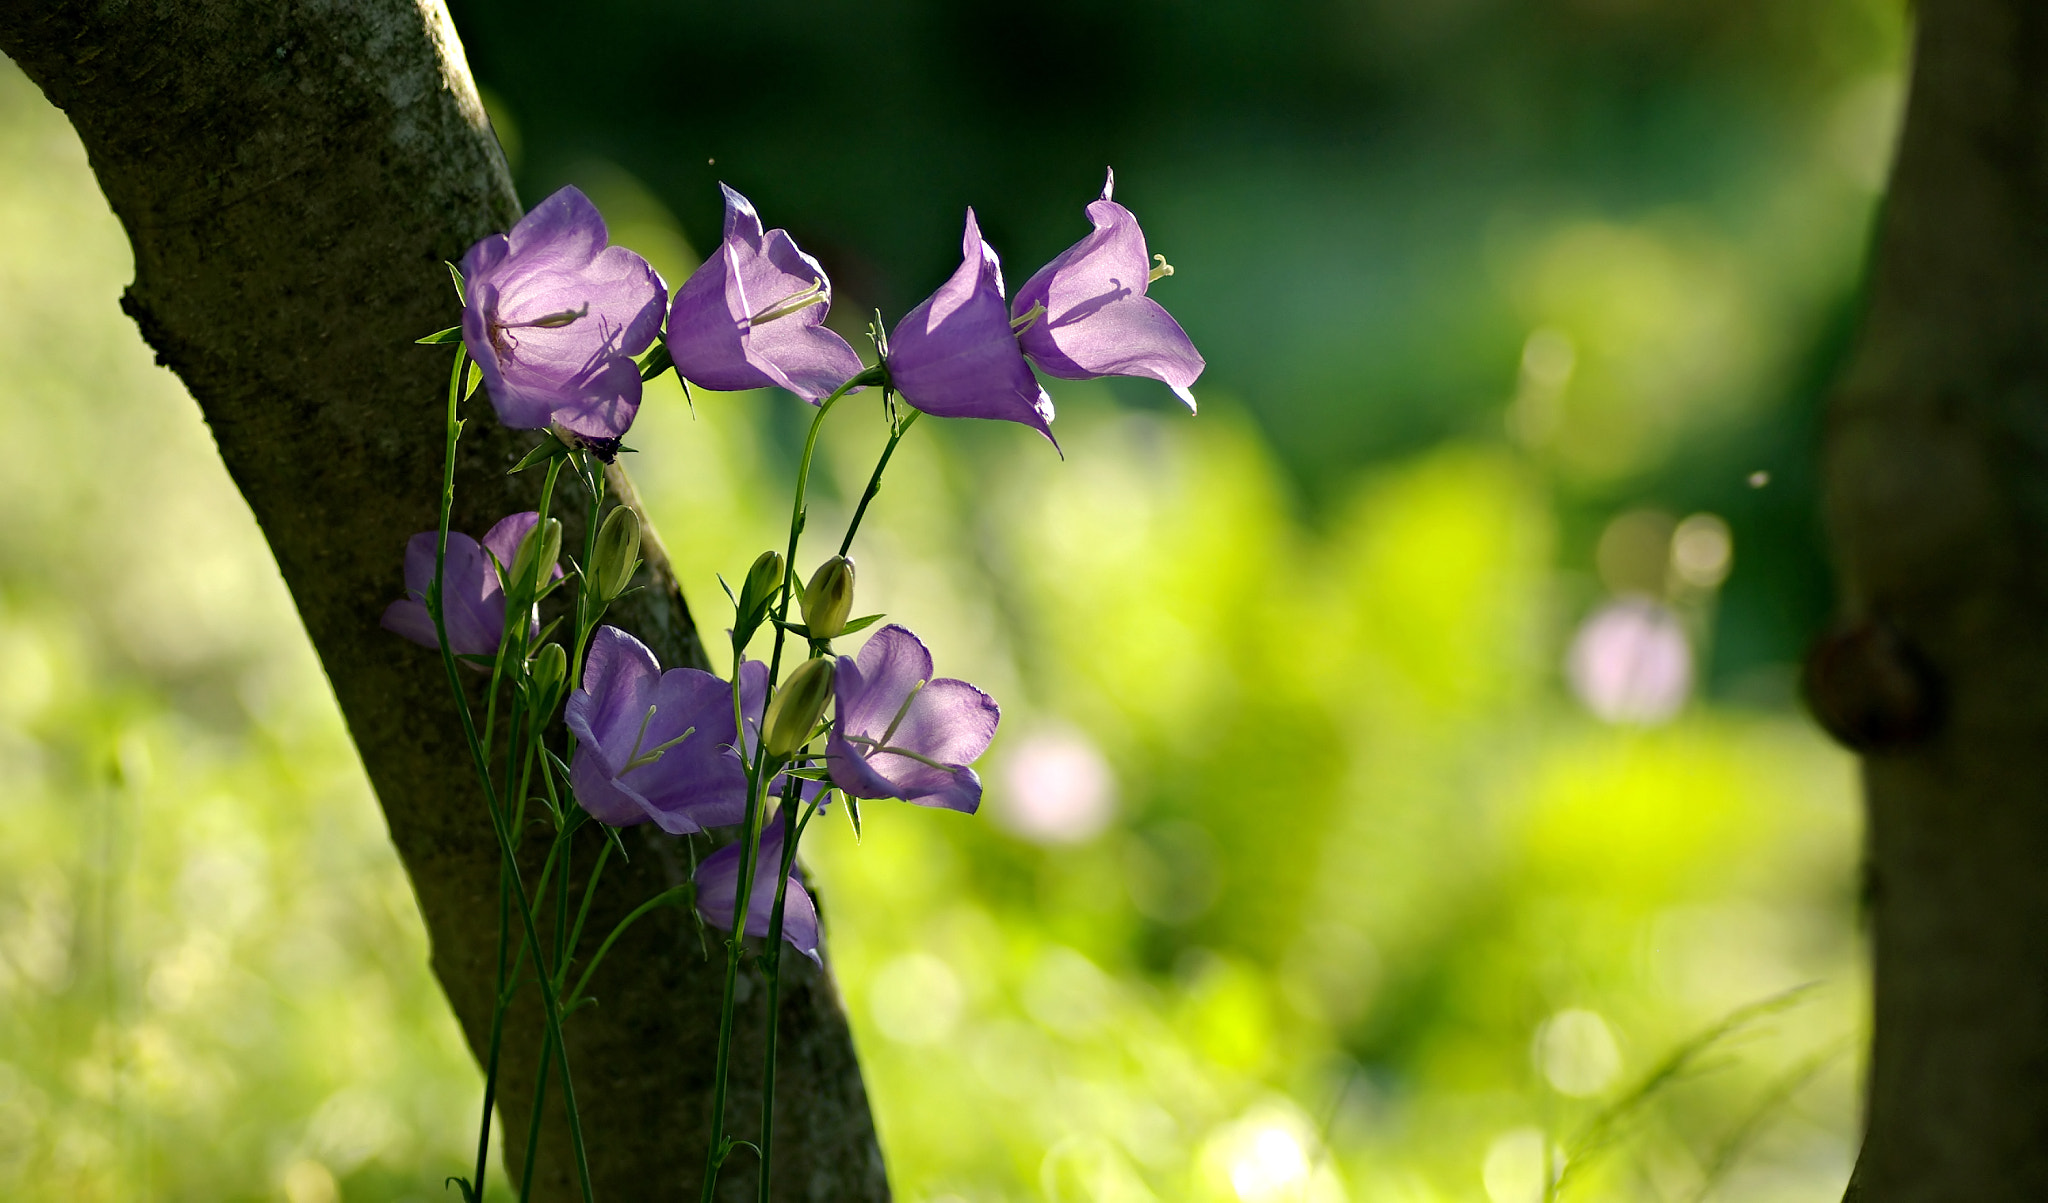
x: 1060, y: 789
x: 1631, y: 662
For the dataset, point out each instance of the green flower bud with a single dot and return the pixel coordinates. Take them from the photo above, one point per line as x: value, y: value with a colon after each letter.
x: 618, y: 553
x: 763, y: 579
x: 547, y: 669
x: 828, y: 599
x: 543, y: 546
x: 797, y: 706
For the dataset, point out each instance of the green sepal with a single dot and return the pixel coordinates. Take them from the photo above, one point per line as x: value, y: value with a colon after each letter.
x: 728, y: 590
x: 862, y: 623
x: 655, y: 361
x: 551, y: 448
x: 853, y: 815
x: 476, y: 377
x: 461, y: 288
x: 461, y: 1184
x: 794, y: 628
x: 438, y: 338
x: 814, y: 774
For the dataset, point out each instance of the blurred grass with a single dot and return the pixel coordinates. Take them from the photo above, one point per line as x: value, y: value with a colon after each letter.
x: 1377, y: 913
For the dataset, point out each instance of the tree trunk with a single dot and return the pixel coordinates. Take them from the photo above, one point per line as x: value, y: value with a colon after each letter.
x: 1937, y: 470
x: 292, y: 177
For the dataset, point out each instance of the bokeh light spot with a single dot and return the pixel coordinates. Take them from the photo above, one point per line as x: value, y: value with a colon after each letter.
x: 1631, y: 662
x: 1061, y: 790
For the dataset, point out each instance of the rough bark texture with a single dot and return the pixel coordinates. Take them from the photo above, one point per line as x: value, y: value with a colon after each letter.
x: 292, y: 177
x: 1937, y: 467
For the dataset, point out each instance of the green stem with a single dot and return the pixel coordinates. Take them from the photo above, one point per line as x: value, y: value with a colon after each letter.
x: 757, y: 784
x: 540, y: 1098
x: 483, y: 1136
x: 481, y: 763
x: 582, y: 914
x: 659, y: 900
x: 896, y: 434
x: 511, y: 646
x: 588, y: 608
x: 790, y: 831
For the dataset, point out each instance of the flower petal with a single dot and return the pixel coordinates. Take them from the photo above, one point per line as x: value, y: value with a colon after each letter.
x: 698, y: 782
x: 619, y: 678
x: 717, y: 881
x: 1097, y: 320
x: 954, y: 356
x: 598, y: 792
x: 554, y: 315
x: 891, y: 664
x: 410, y: 619
x: 712, y: 334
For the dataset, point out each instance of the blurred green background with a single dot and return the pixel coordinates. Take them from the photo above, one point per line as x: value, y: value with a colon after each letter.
x: 1399, y: 760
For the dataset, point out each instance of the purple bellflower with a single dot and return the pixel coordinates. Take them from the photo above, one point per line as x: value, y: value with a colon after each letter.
x: 749, y: 316
x: 956, y: 356
x: 473, y: 603
x: 653, y: 745
x: 718, y: 881
x: 1086, y: 314
x: 554, y: 316
x: 901, y: 734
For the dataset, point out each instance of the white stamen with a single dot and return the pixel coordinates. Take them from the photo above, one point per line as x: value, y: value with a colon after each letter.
x: 796, y: 302
x: 1164, y: 269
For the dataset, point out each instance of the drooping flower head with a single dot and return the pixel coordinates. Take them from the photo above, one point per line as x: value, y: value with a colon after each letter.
x: 652, y: 745
x: 553, y: 316
x: 955, y: 356
x: 749, y: 316
x: 901, y: 734
x: 1086, y: 314
x: 473, y: 600
x: 718, y: 883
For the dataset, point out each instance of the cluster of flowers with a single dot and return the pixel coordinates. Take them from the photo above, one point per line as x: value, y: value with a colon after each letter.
x: 557, y: 319
x: 563, y: 329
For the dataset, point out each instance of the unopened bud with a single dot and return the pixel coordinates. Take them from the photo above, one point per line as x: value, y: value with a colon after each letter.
x: 542, y: 546
x: 763, y: 579
x: 547, y: 668
x: 618, y: 553
x: 797, y: 706
x: 828, y: 599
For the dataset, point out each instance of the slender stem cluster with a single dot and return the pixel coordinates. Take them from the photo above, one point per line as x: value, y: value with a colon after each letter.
x: 520, y: 703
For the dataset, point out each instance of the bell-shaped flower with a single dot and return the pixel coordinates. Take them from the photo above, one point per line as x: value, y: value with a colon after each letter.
x: 473, y: 598
x: 652, y: 745
x: 750, y: 316
x: 901, y: 734
x: 1086, y: 314
x: 718, y: 882
x: 956, y: 356
x: 553, y: 316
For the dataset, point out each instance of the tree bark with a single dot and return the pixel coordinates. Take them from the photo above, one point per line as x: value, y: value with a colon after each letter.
x: 291, y: 178
x: 1937, y: 496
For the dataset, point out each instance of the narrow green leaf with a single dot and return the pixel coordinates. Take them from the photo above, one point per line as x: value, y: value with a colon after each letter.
x: 452, y: 334
x: 861, y: 623
x: 655, y: 361
x: 476, y: 377
x: 547, y: 450
x: 461, y: 289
